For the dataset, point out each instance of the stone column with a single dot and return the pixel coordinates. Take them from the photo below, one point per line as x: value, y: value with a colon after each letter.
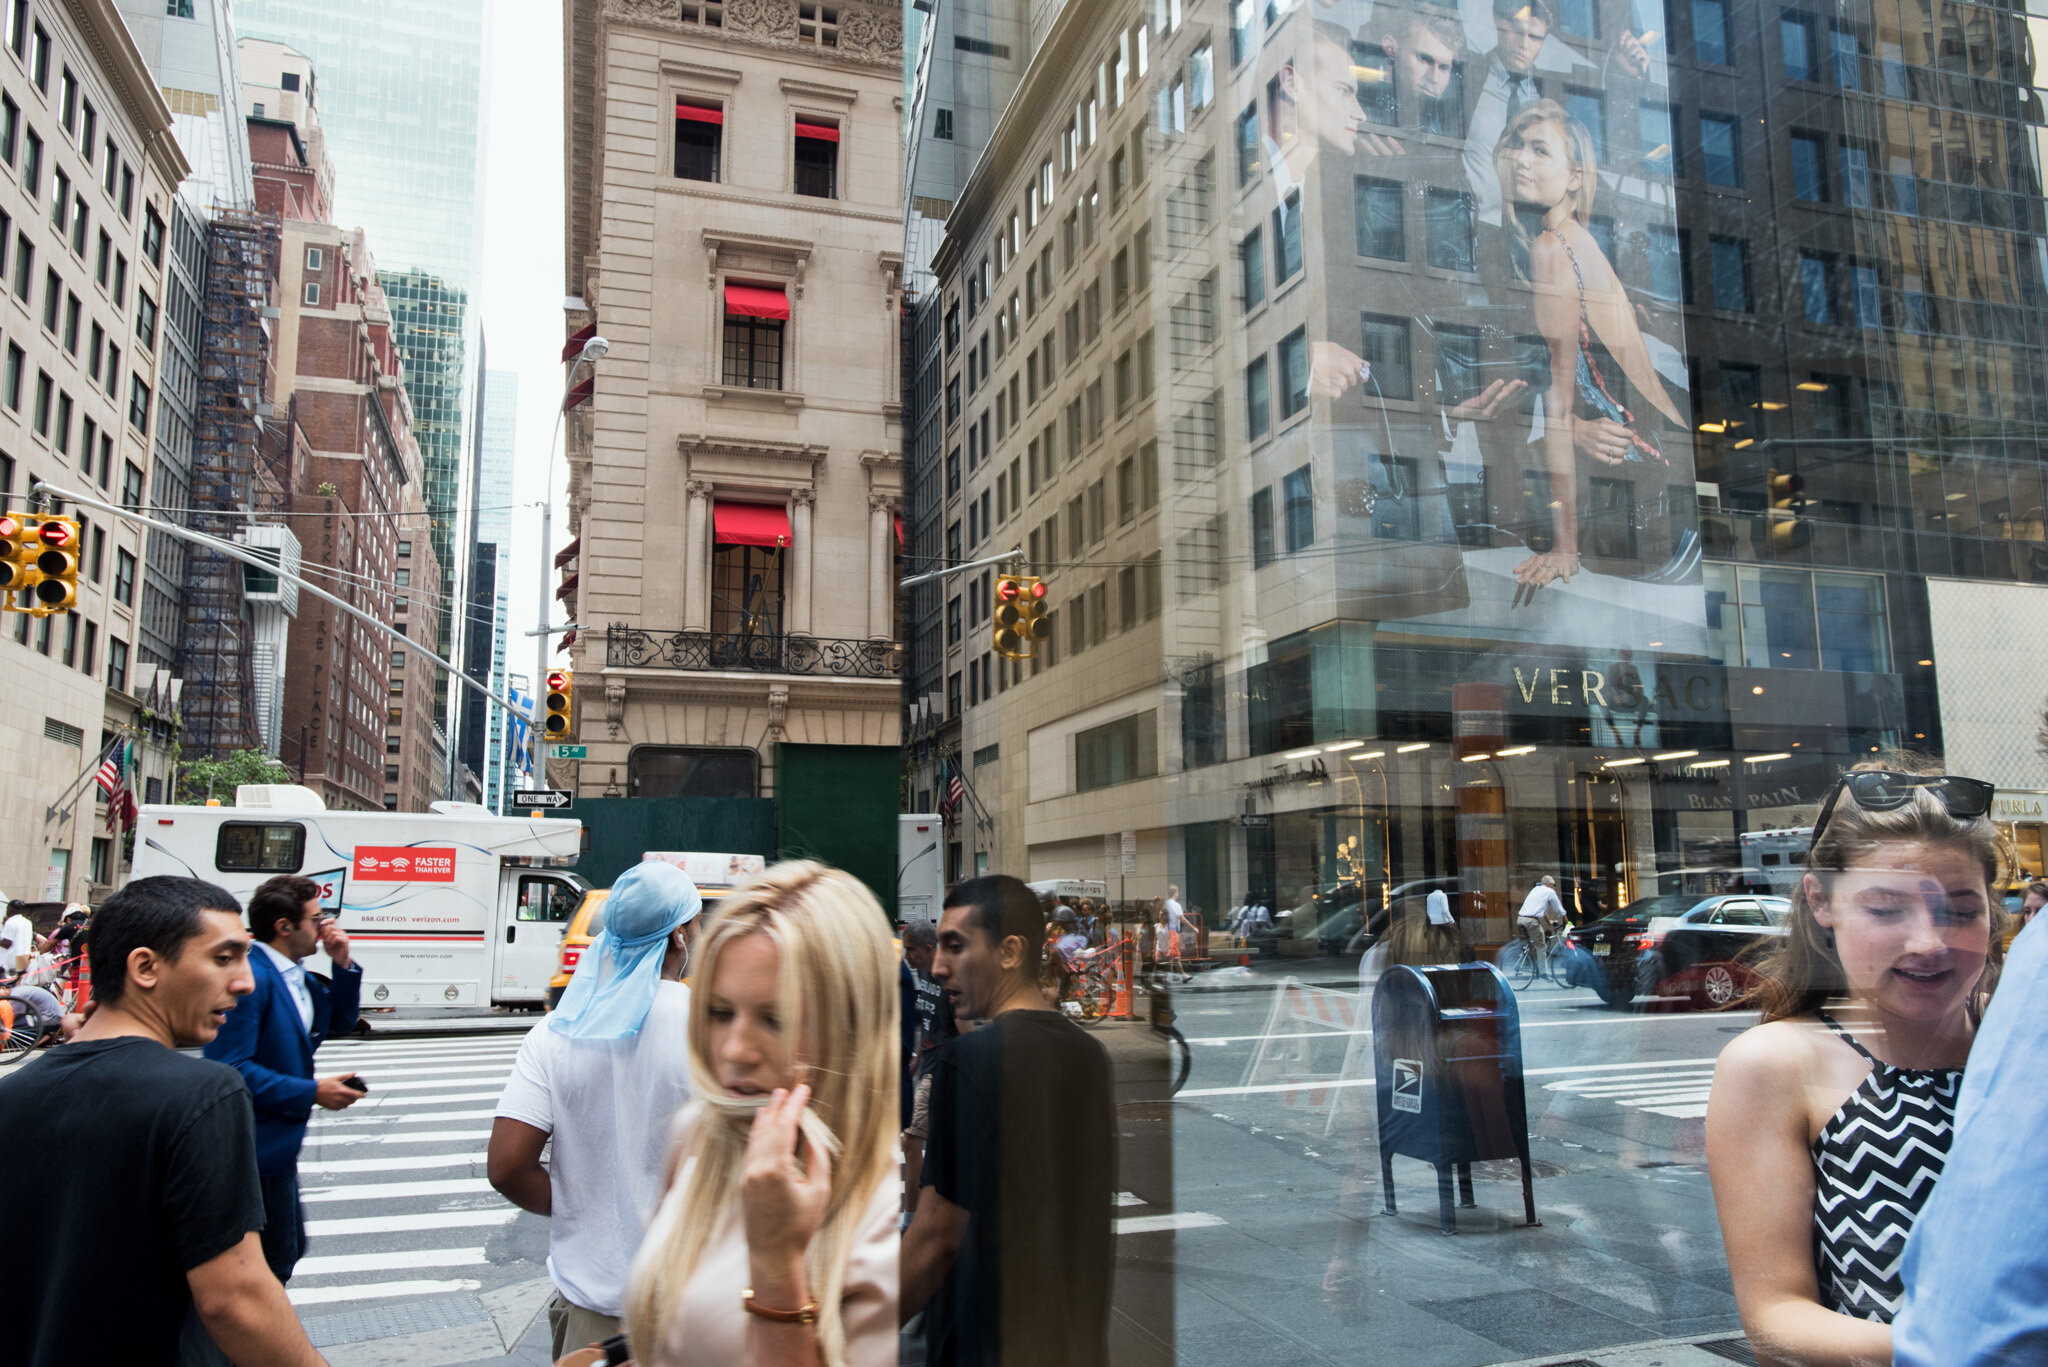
x: 798, y: 569
x: 697, y: 557
x: 881, y: 545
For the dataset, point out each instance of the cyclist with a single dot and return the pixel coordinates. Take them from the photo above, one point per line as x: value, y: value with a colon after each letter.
x: 1542, y: 911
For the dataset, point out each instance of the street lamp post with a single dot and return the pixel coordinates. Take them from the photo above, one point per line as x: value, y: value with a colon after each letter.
x: 593, y: 351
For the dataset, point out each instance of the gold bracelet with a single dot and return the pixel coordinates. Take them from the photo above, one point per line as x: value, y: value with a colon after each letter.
x: 806, y: 1314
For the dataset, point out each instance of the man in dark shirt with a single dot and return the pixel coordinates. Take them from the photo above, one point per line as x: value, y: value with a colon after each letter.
x: 1010, y: 1252
x: 155, y: 1210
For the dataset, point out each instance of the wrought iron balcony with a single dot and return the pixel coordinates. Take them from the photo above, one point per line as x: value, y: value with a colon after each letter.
x: 629, y: 647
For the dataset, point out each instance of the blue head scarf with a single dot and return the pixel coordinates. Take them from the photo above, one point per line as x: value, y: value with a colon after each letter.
x: 615, y: 982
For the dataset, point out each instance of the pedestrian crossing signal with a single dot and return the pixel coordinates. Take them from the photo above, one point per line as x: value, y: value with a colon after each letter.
x: 555, y: 724
x: 1020, y: 622
x: 38, y: 564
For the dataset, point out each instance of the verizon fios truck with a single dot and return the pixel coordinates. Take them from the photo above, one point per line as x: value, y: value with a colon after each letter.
x: 454, y: 907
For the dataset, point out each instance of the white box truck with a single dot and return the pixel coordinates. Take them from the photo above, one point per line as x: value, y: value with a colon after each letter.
x: 453, y: 907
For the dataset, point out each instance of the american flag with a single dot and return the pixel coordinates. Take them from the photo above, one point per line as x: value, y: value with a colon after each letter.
x: 113, y: 781
x: 955, y: 790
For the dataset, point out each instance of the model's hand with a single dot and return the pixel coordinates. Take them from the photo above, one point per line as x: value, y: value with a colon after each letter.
x: 1549, y: 567
x: 1604, y: 439
x: 1332, y: 369
x: 1379, y: 145
x: 1631, y: 55
x: 1487, y: 401
x: 334, y: 940
x: 332, y: 1094
x: 782, y: 1200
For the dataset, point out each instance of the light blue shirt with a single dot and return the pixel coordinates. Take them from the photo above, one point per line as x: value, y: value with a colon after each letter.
x: 294, y: 974
x: 1976, y: 1266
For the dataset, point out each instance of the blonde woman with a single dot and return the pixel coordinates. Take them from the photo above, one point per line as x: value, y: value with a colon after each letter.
x: 775, y: 1243
x: 1549, y: 174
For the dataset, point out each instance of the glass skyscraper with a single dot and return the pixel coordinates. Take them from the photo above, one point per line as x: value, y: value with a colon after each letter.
x: 401, y: 103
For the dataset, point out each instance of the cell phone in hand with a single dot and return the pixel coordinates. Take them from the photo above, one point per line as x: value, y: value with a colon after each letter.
x: 355, y: 1084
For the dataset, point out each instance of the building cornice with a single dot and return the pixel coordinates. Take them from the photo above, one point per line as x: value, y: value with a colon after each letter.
x: 106, y: 33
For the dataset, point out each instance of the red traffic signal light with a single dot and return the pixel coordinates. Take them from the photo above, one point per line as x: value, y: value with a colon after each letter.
x: 558, y: 679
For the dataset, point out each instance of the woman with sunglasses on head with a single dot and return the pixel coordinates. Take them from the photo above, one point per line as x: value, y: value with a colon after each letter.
x: 775, y: 1244
x: 1829, y: 1121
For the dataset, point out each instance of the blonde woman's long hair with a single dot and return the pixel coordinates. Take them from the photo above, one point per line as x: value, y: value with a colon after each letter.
x: 838, y: 1005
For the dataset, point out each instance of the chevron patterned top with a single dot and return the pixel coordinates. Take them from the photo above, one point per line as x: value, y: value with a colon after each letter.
x: 1875, y: 1164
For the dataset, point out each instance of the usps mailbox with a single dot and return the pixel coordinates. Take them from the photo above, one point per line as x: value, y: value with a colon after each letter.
x: 1447, y: 1055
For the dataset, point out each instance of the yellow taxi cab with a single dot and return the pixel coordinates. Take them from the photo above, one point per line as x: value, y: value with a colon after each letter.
x: 584, y: 926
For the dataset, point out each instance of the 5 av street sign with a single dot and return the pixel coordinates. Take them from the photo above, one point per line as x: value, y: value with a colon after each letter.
x: 542, y: 800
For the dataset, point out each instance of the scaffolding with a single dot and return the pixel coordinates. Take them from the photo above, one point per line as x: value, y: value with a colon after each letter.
x: 238, y: 468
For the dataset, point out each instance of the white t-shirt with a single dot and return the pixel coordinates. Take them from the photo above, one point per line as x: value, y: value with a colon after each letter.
x: 22, y: 931
x: 1174, y: 916
x: 608, y: 1104
x: 1541, y: 901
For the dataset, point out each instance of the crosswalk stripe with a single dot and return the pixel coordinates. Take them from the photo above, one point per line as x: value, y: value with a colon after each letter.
x: 476, y: 1079
x: 386, y: 1191
x: 409, y: 1224
x: 378, y: 1103
x: 407, y: 1070
x: 351, y: 1118
x: 405, y: 1164
x: 328, y: 1295
x: 494, y: 1048
x: 389, y: 1261
x: 1692, y: 1112
x: 1153, y: 1224
x: 421, y: 1137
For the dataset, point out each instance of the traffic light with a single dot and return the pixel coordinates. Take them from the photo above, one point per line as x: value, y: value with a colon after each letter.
x: 556, y: 724
x: 38, y: 556
x: 1789, y: 529
x: 1020, y: 616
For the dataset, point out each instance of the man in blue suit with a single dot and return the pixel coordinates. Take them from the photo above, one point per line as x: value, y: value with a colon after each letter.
x: 270, y: 1036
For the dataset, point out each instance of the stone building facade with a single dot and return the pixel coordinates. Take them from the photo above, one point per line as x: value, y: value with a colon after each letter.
x: 90, y: 166
x: 735, y: 477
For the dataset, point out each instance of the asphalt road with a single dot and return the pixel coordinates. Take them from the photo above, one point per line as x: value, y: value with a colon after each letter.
x: 1250, y: 1227
x: 1285, y: 1256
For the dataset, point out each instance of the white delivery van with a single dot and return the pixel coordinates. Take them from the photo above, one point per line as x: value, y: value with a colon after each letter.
x: 453, y: 907
x: 920, y: 868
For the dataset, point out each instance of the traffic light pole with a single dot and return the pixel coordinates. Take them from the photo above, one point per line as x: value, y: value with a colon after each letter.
x: 272, y: 567
x: 936, y: 575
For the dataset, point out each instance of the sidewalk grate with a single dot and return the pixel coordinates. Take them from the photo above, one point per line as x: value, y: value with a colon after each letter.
x: 1735, y: 1350
x: 390, y: 1321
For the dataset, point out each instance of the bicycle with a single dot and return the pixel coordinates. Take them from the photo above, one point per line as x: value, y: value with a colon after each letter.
x: 1518, y: 962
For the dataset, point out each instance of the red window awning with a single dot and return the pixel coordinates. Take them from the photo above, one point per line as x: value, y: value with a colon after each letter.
x: 899, y: 529
x: 582, y: 393
x: 749, y: 524
x: 573, y: 348
x: 756, y: 301
x: 568, y: 552
x: 699, y: 114
x: 821, y: 132
x: 567, y: 592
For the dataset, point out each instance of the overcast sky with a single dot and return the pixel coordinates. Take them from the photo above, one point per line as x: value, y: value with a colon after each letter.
x: 521, y: 309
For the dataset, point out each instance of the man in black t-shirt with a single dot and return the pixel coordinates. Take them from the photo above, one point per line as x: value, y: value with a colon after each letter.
x: 1010, y: 1252
x: 155, y: 1210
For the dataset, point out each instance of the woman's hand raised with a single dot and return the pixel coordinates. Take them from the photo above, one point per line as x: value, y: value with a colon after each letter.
x: 782, y: 1199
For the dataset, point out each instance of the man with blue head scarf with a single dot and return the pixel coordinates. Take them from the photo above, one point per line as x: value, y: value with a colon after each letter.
x: 603, y: 1075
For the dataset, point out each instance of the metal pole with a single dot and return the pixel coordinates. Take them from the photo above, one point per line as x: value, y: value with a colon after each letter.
x: 233, y: 551
x: 917, y: 579
x: 593, y: 351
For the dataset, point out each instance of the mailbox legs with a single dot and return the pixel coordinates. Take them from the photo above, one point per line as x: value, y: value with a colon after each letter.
x: 1387, y: 1177
x: 1446, y: 1217
x: 1465, y: 1197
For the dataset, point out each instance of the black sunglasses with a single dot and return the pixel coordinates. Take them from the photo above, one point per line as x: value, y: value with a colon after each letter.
x: 1882, y: 790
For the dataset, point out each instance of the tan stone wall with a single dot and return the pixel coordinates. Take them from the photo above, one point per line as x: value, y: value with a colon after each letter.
x: 664, y: 433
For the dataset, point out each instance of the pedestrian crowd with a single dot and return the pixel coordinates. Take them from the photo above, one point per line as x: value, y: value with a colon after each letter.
x: 714, y: 1117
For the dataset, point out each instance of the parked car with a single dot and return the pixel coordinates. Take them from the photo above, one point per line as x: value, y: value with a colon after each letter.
x: 1676, y: 945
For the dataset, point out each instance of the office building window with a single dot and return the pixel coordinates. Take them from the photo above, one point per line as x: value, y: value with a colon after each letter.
x: 700, y: 132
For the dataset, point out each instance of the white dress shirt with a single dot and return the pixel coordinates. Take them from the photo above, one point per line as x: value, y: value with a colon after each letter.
x: 294, y: 975
x: 1489, y: 120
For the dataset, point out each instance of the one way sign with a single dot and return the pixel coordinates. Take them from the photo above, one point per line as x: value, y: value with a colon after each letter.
x: 542, y: 800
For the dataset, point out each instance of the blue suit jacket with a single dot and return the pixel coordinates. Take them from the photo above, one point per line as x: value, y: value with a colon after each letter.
x: 264, y: 1042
